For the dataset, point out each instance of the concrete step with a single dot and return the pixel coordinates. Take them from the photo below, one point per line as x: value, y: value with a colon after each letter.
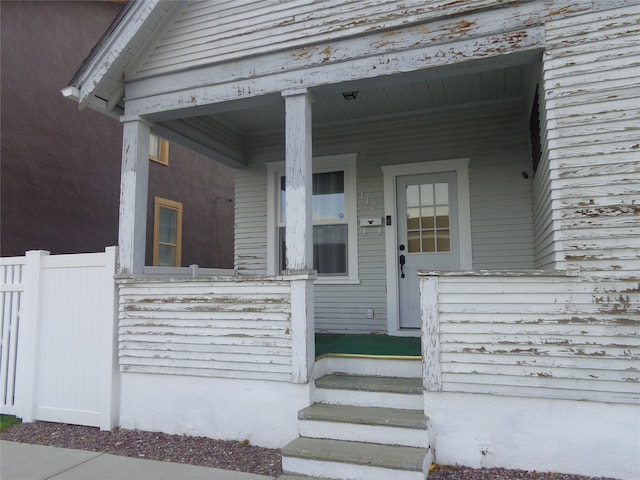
x: 337, y: 459
x: 370, y: 391
x: 389, y: 426
x: 363, y: 365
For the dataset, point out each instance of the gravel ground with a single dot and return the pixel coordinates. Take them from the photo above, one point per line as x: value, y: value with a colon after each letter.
x: 207, y: 452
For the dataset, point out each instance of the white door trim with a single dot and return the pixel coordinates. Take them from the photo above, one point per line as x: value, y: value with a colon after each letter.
x: 390, y: 173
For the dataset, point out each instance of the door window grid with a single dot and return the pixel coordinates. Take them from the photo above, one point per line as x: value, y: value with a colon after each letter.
x: 428, y: 218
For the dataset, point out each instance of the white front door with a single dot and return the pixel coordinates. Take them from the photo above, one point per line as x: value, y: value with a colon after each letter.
x: 427, y: 235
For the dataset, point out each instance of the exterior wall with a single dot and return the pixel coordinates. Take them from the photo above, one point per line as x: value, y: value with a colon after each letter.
x: 263, y: 412
x: 225, y: 328
x: 205, y: 190
x: 526, y: 369
x: 592, y: 105
x: 223, y: 32
x: 60, y: 168
x: 587, y: 438
x: 494, y: 136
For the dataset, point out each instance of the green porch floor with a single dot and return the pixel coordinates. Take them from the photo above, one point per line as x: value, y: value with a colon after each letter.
x: 385, y: 345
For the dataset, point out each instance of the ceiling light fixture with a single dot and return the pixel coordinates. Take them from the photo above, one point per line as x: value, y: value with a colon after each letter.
x: 350, y: 95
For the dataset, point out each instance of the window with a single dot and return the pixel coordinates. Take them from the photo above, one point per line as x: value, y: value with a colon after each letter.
x: 428, y: 218
x: 158, y: 149
x: 167, y: 233
x: 335, y: 256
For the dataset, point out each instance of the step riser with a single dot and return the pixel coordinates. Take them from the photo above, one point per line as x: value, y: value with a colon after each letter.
x: 369, y: 399
x: 345, y: 471
x: 409, y: 437
x: 364, y: 366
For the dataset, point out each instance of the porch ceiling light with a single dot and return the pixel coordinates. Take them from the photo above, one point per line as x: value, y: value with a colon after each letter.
x: 350, y: 95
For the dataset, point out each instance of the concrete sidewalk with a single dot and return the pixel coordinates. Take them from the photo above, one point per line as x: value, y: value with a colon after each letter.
x: 22, y: 461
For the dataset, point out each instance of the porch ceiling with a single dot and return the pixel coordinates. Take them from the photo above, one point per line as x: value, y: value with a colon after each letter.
x: 382, y: 99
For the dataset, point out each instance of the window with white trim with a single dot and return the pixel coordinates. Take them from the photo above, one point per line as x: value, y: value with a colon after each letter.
x: 335, y: 255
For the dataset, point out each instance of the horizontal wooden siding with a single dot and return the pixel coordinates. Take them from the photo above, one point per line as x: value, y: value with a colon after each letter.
x: 215, y: 328
x: 592, y: 103
x: 540, y: 336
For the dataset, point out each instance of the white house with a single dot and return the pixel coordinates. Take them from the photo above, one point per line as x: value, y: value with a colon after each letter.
x: 464, y: 171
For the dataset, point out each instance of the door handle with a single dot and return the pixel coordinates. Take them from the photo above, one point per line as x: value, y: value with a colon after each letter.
x: 402, y: 262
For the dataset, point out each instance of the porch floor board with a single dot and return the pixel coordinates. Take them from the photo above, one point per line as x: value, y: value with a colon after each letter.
x: 367, y: 344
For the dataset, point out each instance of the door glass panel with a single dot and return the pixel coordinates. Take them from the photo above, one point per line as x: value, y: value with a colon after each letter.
x: 428, y: 241
x: 413, y: 196
x: 443, y: 241
x: 442, y: 217
x: 428, y: 218
x: 426, y: 194
x: 442, y: 193
x: 413, y: 242
x: 413, y: 218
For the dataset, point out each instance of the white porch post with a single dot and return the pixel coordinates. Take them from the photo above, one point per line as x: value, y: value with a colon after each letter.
x: 299, y: 231
x: 134, y: 184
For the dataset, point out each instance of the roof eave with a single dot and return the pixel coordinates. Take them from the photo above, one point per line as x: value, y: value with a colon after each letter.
x: 103, y: 62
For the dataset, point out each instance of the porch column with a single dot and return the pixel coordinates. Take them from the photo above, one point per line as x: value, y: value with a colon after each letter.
x: 134, y: 184
x: 299, y: 231
x: 299, y: 237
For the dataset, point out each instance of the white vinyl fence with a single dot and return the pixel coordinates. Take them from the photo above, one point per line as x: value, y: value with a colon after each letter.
x: 58, y: 350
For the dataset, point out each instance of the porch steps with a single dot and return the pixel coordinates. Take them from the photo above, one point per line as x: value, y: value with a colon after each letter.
x: 384, y: 426
x: 361, y: 427
x: 370, y: 391
x: 338, y: 459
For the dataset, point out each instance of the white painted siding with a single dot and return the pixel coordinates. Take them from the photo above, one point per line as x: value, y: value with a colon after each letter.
x: 212, y: 32
x: 540, y: 336
x: 494, y: 136
x: 592, y: 103
x: 225, y: 327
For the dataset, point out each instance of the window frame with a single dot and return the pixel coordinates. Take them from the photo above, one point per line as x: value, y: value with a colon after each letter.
x: 163, y: 146
x: 345, y: 163
x: 159, y: 203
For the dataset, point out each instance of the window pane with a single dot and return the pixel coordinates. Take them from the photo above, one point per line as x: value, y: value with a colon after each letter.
x: 426, y: 194
x: 444, y: 241
x: 442, y: 193
x: 154, y: 146
x: 330, y: 249
x: 283, y: 196
x: 427, y: 217
x: 413, y: 218
x: 428, y: 242
x: 413, y: 199
x: 168, y: 222
x: 413, y: 242
x: 328, y: 196
x: 166, y: 255
x: 442, y: 217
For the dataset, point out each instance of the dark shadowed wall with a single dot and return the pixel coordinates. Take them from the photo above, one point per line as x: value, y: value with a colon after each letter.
x: 60, y: 167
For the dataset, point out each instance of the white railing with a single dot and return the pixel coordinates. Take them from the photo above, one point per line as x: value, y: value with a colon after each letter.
x: 57, y: 363
x: 537, y: 334
x: 225, y: 327
x: 11, y: 288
